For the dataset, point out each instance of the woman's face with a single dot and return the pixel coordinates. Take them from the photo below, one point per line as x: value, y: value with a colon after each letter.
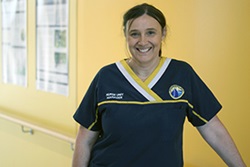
x: 144, y: 37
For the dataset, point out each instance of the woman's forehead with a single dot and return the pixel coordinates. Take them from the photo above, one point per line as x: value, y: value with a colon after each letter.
x: 142, y: 22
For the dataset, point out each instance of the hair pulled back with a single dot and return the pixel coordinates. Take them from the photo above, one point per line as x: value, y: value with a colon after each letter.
x: 140, y: 10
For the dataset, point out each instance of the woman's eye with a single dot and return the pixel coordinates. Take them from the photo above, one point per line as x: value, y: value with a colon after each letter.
x: 150, y: 32
x: 134, y: 34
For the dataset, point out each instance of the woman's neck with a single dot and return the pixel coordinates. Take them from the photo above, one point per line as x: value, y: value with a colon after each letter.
x: 143, y: 70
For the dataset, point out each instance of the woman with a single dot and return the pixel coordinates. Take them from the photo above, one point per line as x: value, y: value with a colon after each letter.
x: 134, y: 110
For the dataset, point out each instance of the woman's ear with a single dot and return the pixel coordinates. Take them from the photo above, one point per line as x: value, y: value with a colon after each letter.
x: 164, y: 33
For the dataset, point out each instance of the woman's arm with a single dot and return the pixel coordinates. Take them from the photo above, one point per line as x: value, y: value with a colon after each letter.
x: 220, y: 140
x: 84, y: 142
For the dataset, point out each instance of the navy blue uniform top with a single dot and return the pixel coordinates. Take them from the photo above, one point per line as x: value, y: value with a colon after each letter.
x: 141, y: 123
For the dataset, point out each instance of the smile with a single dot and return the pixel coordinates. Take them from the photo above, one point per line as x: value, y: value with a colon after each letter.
x: 144, y: 50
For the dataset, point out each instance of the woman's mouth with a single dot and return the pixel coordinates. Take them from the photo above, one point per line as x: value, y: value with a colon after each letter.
x: 144, y: 50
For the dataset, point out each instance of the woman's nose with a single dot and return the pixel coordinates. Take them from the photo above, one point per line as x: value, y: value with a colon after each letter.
x: 143, y: 40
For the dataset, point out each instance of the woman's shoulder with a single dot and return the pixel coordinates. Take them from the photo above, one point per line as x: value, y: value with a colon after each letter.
x: 107, y: 68
x: 177, y: 63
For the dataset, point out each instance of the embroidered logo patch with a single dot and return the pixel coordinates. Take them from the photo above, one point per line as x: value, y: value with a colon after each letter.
x: 176, y: 91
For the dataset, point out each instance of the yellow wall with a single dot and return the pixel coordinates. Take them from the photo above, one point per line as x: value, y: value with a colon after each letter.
x: 213, y: 36
x: 42, y: 108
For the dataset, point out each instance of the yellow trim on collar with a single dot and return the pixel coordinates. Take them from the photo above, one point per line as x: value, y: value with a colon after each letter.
x: 139, y: 81
x: 156, y: 71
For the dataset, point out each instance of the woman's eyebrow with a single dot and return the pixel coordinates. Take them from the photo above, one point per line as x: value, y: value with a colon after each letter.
x: 148, y: 29
x: 152, y: 29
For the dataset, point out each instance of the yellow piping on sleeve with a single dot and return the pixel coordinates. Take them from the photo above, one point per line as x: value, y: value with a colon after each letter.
x: 203, y: 119
x: 96, y: 119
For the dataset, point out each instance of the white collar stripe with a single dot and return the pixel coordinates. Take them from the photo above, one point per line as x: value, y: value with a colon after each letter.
x: 134, y: 83
x: 160, y: 73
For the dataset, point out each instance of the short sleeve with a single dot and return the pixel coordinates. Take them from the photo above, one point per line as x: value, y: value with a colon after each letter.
x: 203, y: 104
x: 87, y: 113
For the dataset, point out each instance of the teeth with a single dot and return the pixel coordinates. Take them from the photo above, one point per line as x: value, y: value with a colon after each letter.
x: 144, y: 50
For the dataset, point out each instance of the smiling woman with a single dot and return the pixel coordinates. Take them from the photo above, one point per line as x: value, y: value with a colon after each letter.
x: 134, y: 110
x: 144, y: 37
x: 145, y: 29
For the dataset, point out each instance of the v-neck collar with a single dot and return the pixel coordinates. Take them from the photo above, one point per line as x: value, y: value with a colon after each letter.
x: 144, y: 87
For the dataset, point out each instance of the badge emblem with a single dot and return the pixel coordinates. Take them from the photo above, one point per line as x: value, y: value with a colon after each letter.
x: 176, y: 91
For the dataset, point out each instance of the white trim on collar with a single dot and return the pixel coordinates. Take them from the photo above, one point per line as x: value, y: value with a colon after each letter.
x: 134, y: 83
x: 160, y: 73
